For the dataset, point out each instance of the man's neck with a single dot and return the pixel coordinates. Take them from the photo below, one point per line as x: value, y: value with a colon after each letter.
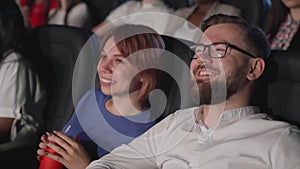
x: 213, y: 113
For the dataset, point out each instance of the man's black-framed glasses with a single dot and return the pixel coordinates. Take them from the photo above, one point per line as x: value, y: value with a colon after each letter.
x: 217, y: 49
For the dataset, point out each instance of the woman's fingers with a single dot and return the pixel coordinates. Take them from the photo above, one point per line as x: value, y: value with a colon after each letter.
x: 62, y: 144
x: 44, y: 138
x: 65, y: 138
x: 40, y: 152
x: 56, y: 157
x: 42, y: 145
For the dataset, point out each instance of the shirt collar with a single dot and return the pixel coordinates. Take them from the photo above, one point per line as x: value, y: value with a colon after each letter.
x: 290, y: 20
x: 227, y: 116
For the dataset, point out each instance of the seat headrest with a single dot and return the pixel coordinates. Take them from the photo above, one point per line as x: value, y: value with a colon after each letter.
x: 284, y: 66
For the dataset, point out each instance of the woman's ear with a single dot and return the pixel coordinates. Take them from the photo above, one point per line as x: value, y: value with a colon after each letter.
x: 144, y: 90
x: 256, y: 69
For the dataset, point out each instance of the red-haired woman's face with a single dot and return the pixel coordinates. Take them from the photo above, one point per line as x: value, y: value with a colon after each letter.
x: 114, y: 70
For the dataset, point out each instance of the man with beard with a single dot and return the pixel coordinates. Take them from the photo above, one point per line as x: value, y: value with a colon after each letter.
x: 224, y: 131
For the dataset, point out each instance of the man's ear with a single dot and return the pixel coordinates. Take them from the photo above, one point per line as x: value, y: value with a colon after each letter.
x: 256, y: 69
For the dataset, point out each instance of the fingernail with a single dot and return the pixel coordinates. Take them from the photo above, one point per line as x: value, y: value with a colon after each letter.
x: 48, y: 134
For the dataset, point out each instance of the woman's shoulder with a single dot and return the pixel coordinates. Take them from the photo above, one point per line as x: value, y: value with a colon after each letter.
x: 11, y: 56
x: 93, y: 94
x: 14, y: 61
x: 80, y: 6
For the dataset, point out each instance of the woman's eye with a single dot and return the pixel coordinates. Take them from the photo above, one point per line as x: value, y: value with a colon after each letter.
x: 102, y: 56
x: 119, y: 61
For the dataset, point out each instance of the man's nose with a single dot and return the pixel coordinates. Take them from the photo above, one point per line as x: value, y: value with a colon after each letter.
x: 204, y: 58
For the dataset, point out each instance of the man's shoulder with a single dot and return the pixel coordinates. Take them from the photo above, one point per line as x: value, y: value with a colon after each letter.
x: 183, y: 114
x: 264, y: 123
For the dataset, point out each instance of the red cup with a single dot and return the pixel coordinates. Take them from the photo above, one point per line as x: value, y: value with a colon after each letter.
x: 48, y: 163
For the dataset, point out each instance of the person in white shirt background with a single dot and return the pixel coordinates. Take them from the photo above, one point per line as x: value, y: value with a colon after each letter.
x: 195, y: 14
x: 141, y: 8
x: 22, y: 94
x: 70, y: 12
x: 225, y: 131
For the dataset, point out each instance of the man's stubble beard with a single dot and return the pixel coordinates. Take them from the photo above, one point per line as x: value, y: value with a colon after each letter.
x: 217, y: 91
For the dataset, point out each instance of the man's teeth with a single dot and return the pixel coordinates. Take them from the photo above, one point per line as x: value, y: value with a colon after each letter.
x: 204, y: 73
x: 106, y: 80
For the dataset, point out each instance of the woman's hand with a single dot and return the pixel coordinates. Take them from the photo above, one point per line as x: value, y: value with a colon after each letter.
x: 71, y: 153
x: 42, y: 146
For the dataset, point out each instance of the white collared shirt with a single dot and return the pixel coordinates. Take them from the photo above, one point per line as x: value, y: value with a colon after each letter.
x: 242, y: 139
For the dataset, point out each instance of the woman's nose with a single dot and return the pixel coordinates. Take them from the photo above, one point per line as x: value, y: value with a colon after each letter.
x: 106, y: 66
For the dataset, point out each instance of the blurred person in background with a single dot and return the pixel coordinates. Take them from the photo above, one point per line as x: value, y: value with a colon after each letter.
x: 70, y: 12
x: 22, y: 97
x: 139, y: 7
x: 195, y: 14
x: 36, y: 12
x: 282, y: 23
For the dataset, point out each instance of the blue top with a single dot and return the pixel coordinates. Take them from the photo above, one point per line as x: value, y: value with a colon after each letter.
x: 91, y: 122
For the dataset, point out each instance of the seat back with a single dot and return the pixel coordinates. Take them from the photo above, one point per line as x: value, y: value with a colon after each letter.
x: 53, y: 50
x: 177, y: 92
x: 278, y: 90
x: 252, y: 10
x: 284, y: 86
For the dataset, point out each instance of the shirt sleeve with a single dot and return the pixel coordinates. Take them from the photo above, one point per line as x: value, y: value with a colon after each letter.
x: 73, y: 128
x: 78, y: 15
x: 286, y: 152
x: 75, y: 124
x: 10, y: 105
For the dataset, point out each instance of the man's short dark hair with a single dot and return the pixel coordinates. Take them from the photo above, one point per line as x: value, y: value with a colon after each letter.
x: 254, y: 37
